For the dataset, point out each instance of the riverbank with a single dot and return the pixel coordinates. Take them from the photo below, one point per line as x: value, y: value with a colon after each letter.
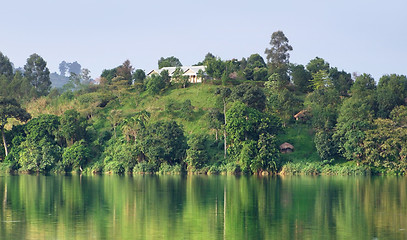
x: 288, y: 169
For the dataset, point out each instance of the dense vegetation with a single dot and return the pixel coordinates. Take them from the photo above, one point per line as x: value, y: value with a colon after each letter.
x: 234, y: 121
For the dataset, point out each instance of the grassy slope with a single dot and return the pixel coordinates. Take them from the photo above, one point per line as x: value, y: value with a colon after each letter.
x: 301, y: 137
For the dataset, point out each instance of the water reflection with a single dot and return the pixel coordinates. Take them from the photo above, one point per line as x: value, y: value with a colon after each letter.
x: 202, y: 207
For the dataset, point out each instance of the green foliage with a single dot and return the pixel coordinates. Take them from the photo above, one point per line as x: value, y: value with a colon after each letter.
x: 40, y: 152
x: 9, y: 108
x: 355, y: 116
x: 317, y: 64
x: 72, y: 127
x: 125, y: 71
x: 39, y: 156
x: 155, y: 84
x: 169, y: 62
x: 6, y: 69
x: 197, y: 153
x: 341, y: 80
x: 243, y: 122
x: 216, y: 119
x: 399, y: 115
x: 342, y: 115
x: 250, y: 94
x: 248, y: 131
x: 164, y: 141
x: 364, y: 89
x: 255, y: 61
x: 301, y: 78
x: 166, y: 168
x: 268, y: 156
x: 321, y: 80
x: 145, y: 167
x: 301, y: 137
x: 327, y: 148
x: 285, y: 104
x: 108, y: 75
x: 391, y: 92
x: 187, y: 110
x: 386, y: 144
x: 139, y: 76
x: 215, y: 68
x: 75, y: 156
x: 178, y: 77
x: 120, y: 156
x: 320, y: 168
x: 324, y: 105
x: 165, y: 77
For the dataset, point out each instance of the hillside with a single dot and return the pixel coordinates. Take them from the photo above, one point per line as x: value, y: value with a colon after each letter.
x: 107, y: 108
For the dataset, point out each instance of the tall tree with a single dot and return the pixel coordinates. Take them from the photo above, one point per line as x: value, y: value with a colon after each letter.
x: 72, y: 127
x: 6, y: 68
x: 391, y: 92
x: 317, y: 64
x: 20, y: 87
x: 278, y: 55
x: 37, y: 73
x: 252, y: 138
x: 301, y: 78
x: 250, y: 94
x: 9, y: 108
x: 341, y: 80
x: 125, y: 71
x: 139, y: 75
x: 63, y: 67
x: 85, y: 76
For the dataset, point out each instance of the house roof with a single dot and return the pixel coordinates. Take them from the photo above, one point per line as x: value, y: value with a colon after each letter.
x: 301, y: 113
x: 286, y: 145
x: 187, y: 70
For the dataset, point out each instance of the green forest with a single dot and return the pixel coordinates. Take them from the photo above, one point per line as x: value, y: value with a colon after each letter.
x: 235, y: 121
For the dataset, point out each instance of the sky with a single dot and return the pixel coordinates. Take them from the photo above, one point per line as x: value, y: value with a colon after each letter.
x: 363, y: 36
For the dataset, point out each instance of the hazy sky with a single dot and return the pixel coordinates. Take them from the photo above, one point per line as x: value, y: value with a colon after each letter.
x: 364, y: 36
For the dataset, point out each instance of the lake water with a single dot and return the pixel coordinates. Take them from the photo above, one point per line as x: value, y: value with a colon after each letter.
x: 202, y: 207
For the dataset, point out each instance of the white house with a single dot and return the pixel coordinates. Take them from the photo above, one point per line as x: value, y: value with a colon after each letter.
x: 190, y: 71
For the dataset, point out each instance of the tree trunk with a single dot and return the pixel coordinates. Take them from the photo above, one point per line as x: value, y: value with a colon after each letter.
x: 224, y: 137
x: 216, y: 135
x: 4, y: 141
x: 224, y: 131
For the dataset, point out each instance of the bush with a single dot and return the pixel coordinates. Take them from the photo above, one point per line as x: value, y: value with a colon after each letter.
x: 317, y: 168
x: 75, y: 156
x: 233, y: 168
x: 197, y: 154
x: 145, y: 167
x: 120, y: 156
x: 170, y: 169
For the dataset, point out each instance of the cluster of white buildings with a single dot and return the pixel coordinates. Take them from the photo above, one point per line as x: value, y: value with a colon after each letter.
x: 190, y: 71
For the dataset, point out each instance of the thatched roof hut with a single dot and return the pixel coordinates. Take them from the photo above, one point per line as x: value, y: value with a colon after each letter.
x: 286, y: 148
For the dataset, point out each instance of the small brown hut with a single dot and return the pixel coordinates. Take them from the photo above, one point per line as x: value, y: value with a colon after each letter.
x: 286, y: 148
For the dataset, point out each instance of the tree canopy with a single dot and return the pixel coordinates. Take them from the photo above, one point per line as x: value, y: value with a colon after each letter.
x: 37, y: 73
x: 169, y: 62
